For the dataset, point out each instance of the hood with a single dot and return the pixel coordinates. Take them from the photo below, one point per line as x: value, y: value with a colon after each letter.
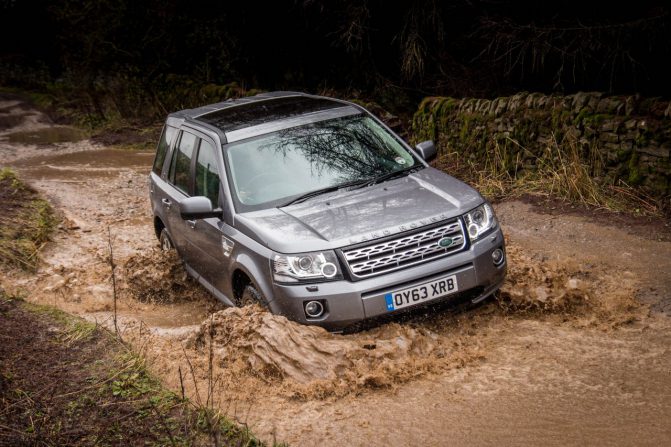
x: 350, y: 217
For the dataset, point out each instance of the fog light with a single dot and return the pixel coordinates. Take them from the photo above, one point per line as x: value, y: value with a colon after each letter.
x: 314, y: 309
x: 497, y: 256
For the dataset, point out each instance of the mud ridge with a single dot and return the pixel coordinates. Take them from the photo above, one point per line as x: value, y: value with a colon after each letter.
x: 155, y: 276
x: 310, y: 361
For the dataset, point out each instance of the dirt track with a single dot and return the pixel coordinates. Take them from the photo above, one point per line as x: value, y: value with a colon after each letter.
x: 573, y: 353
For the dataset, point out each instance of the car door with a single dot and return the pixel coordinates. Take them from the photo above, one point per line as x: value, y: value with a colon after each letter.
x: 159, y: 172
x: 178, y: 187
x: 211, y: 252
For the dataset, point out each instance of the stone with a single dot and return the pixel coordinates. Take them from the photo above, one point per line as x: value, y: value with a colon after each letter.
x: 498, y: 107
x: 593, y: 101
x: 529, y: 101
x: 610, y: 126
x: 603, y: 106
x: 626, y: 145
x: 484, y: 106
x: 609, y: 137
x: 607, y: 105
x: 579, y: 101
x: 612, y: 157
x: 656, y: 151
x: 492, y: 106
x: 630, y: 105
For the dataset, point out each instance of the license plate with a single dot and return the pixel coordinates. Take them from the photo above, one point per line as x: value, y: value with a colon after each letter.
x: 421, y: 293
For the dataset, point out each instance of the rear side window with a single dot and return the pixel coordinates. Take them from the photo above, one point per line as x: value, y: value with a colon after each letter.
x: 180, y: 166
x: 164, y: 143
x: 207, y: 174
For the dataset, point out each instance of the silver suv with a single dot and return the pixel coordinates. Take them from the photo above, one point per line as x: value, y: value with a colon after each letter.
x: 313, y: 208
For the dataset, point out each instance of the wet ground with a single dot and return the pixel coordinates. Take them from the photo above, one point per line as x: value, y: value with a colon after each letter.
x: 577, y: 350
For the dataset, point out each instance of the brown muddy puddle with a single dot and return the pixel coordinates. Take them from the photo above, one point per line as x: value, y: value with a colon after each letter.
x: 173, y: 320
x: 46, y: 136
x: 84, y: 165
x: 253, y: 349
x: 564, y: 351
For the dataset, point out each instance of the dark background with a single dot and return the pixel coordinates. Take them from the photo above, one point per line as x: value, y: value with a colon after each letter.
x: 405, y: 50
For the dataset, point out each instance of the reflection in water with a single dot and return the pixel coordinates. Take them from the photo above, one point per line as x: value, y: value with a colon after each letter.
x: 313, y: 157
x: 353, y: 147
x: 105, y: 163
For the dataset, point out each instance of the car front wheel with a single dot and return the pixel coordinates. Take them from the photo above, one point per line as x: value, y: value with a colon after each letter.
x: 164, y: 240
x: 251, y: 296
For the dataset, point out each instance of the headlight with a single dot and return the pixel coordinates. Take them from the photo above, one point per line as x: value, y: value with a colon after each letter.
x: 306, y: 267
x: 479, y: 221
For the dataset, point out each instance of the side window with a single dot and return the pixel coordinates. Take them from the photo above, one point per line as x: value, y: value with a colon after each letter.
x: 207, y: 174
x: 164, y: 143
x: 180, y: 166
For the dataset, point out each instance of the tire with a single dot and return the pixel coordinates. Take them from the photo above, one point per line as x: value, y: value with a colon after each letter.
x: 165, y: 241
x: 251, y: 296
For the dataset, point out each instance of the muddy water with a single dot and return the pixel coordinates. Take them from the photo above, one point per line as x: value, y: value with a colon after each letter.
x: 49, y: 135
x: 568, y: 355
x: 78, y: 166
x: 309, y: 359
x: 27, y: 133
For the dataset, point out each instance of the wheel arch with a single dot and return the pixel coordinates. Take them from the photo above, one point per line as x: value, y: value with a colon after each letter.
x: 158, y: 226
x: 245, y: 271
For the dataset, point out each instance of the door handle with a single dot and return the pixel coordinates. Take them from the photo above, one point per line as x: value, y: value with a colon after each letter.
x: 192, y: 223
x: 167, y: 203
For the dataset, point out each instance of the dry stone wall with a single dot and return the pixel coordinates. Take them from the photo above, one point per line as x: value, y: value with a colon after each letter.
x: 621, y: 138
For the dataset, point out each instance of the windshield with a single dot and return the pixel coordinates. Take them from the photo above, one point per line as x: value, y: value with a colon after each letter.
x: 273, y: 168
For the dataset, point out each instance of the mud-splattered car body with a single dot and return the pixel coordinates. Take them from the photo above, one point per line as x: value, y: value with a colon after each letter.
x: 314, y: 208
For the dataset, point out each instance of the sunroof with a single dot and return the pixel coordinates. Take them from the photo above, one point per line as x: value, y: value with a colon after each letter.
x: 260, y: 112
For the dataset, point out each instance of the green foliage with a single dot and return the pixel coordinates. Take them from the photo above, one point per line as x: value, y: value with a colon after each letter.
x: 74, y: 329
x: 634, y: 177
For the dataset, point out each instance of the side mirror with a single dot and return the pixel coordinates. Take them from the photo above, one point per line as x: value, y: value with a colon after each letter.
x: 198, y: 207
x: 427, y: 150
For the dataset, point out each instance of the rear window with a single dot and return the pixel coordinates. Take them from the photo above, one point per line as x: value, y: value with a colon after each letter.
x: 167, y: 136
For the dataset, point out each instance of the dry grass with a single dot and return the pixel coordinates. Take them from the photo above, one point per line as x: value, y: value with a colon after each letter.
x: 562, y: 171
x: 26, y: 222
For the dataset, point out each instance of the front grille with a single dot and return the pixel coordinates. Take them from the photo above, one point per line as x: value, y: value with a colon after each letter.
x: 394, y: 254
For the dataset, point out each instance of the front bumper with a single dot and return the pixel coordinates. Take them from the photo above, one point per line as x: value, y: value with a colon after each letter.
x: 348, y: 303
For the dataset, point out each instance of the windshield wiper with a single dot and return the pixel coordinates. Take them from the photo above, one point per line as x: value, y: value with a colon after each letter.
x: 356, y: 184
x: 319, y: 192
x: 390, y: 175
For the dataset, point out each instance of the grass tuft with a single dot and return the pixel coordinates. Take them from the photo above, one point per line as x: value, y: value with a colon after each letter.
x: 26, y: 222
x: 564, y: 170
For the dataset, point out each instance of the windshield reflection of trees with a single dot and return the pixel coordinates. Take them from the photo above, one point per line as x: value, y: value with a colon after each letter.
x: 349, y: 148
